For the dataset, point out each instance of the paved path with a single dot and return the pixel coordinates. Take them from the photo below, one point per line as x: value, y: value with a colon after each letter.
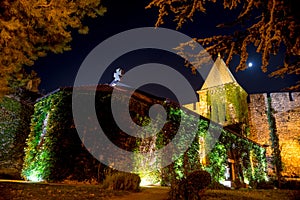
x: 146, y: 193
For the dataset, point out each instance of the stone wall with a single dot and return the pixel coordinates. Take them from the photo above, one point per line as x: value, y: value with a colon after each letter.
x: 258, y: 120
x: 286, y: 111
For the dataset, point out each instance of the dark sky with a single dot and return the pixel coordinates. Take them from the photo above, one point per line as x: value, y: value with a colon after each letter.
x: 59, y: 70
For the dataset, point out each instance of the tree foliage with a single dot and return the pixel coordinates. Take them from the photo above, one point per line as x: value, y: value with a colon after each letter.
x: 267, y: 24
x: 29, y: 29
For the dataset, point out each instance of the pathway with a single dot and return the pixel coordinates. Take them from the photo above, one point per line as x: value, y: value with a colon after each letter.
x: 146, y: 193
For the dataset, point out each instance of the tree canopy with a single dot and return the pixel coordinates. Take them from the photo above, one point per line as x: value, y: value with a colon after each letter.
x: 269, y: 25
x: 29, y: 29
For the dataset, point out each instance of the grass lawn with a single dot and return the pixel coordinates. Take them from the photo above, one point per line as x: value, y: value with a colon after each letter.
x: 249, y: 194
x: 37, y: 191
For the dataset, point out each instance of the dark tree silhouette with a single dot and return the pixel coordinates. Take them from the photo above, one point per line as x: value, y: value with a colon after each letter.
x: 269, y: 26
x: 29, y: 29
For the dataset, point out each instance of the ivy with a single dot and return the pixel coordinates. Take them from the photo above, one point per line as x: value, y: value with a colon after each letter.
x: 14, y: 119
x: 235, y: 108
x: 53, y: 145
x: 55, y: 152
x: 37, y: 161
x: 228, y: 143
x: 274, y: 140
x: 217, y: 162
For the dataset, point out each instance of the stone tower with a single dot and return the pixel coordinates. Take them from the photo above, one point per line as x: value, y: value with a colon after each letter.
x: 222, y: 99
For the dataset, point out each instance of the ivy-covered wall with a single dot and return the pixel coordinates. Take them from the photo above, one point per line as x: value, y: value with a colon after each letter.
x: 54, y: 151
x: 248, y: 157
x: 227, y: 104
x: 15, y: 118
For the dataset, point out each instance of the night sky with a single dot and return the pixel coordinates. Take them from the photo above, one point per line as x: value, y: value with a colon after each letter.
x: 59, y: 70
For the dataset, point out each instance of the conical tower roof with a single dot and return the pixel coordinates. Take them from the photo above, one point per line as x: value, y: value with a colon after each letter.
x: 218, y: 75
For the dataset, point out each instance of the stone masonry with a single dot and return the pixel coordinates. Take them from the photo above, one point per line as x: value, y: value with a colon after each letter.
x: 286, y: 111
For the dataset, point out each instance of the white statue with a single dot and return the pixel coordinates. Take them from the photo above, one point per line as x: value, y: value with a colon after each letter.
x: 117, y: 76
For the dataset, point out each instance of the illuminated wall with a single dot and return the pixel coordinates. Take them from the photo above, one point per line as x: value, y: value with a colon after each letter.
x: 222, y: 99
x: 54, y: 151
x: 286, y: 111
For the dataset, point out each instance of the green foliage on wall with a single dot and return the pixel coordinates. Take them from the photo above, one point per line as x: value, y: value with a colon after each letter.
x: 250, y: 160
x: 228, y: 103
x: 238, y: 98
x: 189, y: 161
x: 276, y: 153
x: 14, y: 119
x: 249, y: 157
x: 217, y: 161
x: 39, y: 156
x: 54, y: 151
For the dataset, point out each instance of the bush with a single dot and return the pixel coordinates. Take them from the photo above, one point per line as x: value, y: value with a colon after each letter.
x: 122, y: 181
x: 178, y: 190
x: 265, y: 185
x: 218, y: 186
x: 190, y: 187
x: 198, y: 180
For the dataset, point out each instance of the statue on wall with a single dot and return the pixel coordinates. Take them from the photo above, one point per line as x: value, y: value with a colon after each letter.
x: 117, y: 76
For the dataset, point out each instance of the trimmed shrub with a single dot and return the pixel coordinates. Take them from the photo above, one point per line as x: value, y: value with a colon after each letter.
x: 191, y: 187
x: 217, y: 186
x: 122, y: 181
x: 198, y: 180
x: 178, y: 190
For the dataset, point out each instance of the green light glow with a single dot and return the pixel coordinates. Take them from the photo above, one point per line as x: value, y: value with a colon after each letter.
x: 145, y: 181
x: 246, y: 180
x: 150, y: 178
x: 34, y: 176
